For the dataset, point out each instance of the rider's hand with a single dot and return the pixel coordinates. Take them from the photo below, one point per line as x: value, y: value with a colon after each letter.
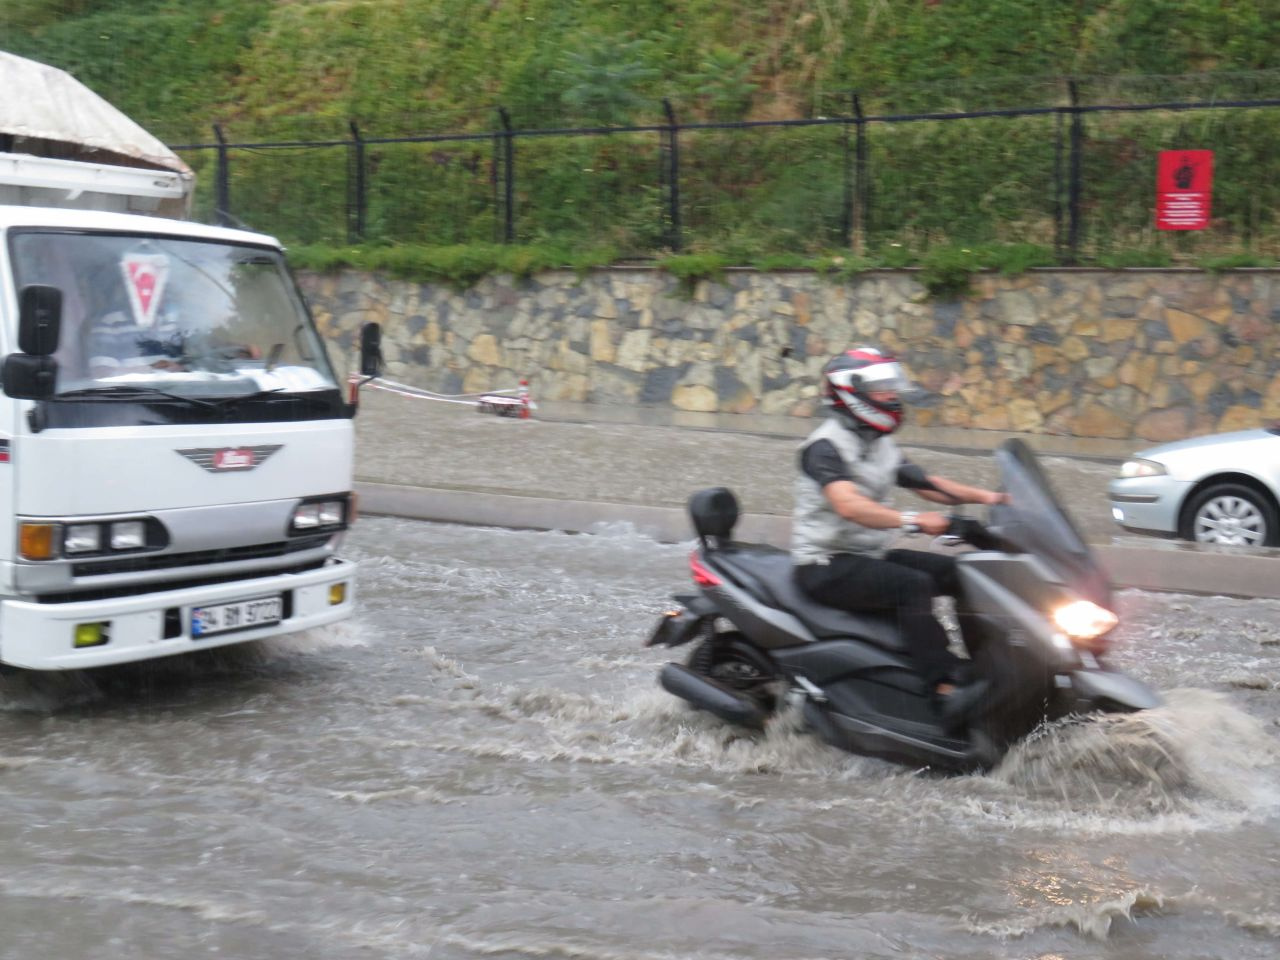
x: 934, y: 524
x: 991, y: 498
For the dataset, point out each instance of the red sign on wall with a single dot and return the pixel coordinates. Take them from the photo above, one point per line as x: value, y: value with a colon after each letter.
x: 1184, y: 187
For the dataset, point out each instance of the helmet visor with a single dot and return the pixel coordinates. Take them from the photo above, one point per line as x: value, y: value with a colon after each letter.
x: 885, y: 376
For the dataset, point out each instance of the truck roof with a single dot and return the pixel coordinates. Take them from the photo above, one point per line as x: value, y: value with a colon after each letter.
x: 45, y: 105
x: 59, y: 218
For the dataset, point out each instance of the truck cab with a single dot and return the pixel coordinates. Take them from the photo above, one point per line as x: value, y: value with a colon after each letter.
x: 175, y: 447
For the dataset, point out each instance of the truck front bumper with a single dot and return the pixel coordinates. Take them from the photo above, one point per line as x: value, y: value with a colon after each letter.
x: 43, y: 636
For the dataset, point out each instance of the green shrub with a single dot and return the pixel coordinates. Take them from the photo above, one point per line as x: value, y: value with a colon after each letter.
x: 460, y: 266
x: 691, y: 268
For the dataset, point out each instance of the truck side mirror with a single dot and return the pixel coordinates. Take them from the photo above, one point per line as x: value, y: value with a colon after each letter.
x: 370, y: 350
x: 39, y: 320
x: 29, y: 378
x: 33, y: 373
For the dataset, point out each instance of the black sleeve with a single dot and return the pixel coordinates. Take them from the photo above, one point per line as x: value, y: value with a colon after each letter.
x: 822, y: 461
x: 907, y: 481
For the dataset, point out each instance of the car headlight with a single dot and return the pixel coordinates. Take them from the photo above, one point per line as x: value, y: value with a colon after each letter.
x: 1084, y: 621
x: 1142, y: 468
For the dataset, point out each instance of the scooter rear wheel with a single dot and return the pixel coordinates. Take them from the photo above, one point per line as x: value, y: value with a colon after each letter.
x: 728, y: 659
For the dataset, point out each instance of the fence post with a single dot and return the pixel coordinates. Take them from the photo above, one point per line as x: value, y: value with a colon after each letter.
x: 356, y: 196
x: 1058, y: 252
x: 862, y: 194
x: 674, y: 238
x: 846, y: 183
x: 507, y: 140
x: 1075, y: 183
x: 222, y: 181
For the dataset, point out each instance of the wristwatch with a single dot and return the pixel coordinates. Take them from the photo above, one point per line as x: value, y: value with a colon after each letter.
x: 909, y: 522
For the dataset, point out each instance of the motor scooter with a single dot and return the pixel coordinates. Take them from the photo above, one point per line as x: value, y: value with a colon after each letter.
x: 1034, y: 609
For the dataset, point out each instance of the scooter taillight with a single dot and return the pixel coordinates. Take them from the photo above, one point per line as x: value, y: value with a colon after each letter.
x: 701, y: 575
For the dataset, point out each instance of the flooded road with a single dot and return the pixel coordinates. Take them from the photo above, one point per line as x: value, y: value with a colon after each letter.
x: 482, y: 765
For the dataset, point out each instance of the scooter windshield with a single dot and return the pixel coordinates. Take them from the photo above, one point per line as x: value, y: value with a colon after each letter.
x: 1035, y: 521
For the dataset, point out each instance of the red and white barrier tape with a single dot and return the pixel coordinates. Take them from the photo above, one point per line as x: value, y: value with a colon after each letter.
x: 503, y: 403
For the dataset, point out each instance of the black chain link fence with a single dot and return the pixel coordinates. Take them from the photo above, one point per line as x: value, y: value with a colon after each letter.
x: 1064, y: 164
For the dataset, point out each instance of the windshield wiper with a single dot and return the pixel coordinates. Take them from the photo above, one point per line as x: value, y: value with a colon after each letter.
x: 131, y: 392
x: 224, y: 402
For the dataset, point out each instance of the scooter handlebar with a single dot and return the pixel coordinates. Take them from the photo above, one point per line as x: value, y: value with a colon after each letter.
x: 973, y: 532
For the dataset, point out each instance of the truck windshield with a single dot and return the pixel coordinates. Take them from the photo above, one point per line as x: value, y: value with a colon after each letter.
x: 173, y: 319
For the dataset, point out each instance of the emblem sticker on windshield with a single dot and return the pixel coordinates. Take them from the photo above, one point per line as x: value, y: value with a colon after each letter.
x: 145, y: 276
x: 228, y: 459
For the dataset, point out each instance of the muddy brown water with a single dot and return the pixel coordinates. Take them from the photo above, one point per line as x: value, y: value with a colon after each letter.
x: 480, y: 764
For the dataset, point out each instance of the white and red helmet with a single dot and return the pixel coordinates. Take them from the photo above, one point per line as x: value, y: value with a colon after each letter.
x: 849, y: 379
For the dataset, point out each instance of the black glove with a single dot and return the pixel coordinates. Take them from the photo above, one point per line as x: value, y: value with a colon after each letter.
x: 973, y: 532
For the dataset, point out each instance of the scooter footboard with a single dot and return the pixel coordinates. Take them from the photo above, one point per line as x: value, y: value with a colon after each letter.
x: 1114, y: 691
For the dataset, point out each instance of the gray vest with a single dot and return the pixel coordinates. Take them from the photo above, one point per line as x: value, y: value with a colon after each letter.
x: 817, y: 531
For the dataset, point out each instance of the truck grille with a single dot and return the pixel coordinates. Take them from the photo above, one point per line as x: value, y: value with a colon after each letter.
x: 105, y: 593
x: 167, y: 561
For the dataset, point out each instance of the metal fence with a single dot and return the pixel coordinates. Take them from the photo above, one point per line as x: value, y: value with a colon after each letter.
x: 1076, y: 176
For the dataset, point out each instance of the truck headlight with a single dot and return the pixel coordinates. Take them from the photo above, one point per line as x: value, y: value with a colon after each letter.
x: 82, y: 538
x: 319, y: 515
x: 306, y: 516
x: 128, y: 535
x: 39, y: 540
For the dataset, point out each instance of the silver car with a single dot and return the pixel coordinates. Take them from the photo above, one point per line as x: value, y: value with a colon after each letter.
x: 1223, y: 488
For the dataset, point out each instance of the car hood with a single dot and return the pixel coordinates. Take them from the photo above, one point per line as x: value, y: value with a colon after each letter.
x: 1193, y: 444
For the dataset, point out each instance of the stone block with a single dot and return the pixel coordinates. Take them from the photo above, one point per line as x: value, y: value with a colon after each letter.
x: 1139, y: 371
x: 1096, y: 420
x: 1074, y: 349
x: 694, y: 397
x: 1184, y: 327
x: 1114, y: 329
x: 633, y: 351
x: 566, y: 387
x: 1164, y: 426
x: 484, y: 349
x: 601, y: 340
x: 1239, y: 417
x: 1018, y: 308
x: 1025, y: 416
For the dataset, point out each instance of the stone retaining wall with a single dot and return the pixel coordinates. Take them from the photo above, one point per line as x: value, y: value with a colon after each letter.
x: 1155, y: 355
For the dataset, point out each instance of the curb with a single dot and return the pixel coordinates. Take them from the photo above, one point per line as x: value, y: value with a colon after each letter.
x: 1177, y: 567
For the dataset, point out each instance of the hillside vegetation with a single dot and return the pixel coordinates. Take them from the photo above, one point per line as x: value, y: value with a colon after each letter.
x: 285, y: 69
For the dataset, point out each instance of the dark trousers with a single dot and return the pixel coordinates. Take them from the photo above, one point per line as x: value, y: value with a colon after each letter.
x: 903, y: 581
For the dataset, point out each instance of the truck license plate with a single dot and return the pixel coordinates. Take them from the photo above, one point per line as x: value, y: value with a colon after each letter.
x: 236, y: 616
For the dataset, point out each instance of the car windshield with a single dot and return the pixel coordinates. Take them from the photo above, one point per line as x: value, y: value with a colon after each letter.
x: 194, y: 319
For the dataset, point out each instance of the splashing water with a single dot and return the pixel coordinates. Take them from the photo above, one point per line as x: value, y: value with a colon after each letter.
x: 1195, y: 753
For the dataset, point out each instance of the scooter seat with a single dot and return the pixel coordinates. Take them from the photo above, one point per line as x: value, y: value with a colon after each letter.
x: 768, y: 574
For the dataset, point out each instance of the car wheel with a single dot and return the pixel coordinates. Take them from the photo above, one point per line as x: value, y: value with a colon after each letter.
x: 1232, y: 515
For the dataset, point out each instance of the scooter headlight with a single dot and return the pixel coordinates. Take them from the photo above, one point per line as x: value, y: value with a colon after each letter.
x: 1084, y: 622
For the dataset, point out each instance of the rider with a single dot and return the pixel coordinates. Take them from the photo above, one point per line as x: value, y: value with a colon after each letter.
x: 844, y: 519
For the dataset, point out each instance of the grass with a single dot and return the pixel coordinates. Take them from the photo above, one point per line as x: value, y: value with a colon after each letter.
x: 301, y: 69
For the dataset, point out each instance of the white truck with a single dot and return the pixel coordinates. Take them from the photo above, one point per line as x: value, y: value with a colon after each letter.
x: 175, y: 447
